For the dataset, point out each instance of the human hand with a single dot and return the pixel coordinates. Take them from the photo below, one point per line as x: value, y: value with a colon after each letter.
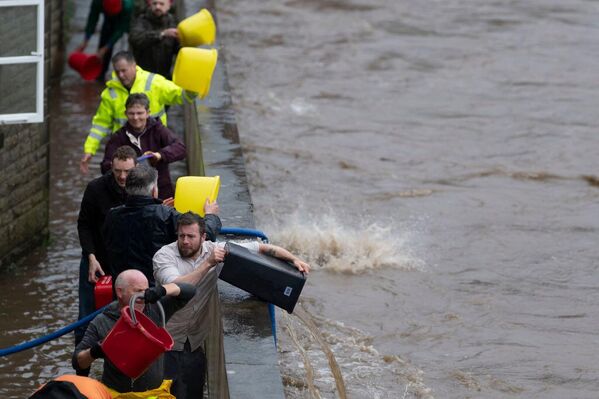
x: 81, y: 47
x: 153, y: 295
x: 211, y: 207
x: 218, y: 255
x: 170, y: 32
x: 301, y: 266
x: 96, y: 351
x: 170, y: 202
x: 102, y: 51
x: 94, y: 269
x: 155, y: 157
x: 84, y: 163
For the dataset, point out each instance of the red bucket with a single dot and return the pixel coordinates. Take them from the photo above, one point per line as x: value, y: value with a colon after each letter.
x: 89, y: 66
x: 103, y: 291
x: 135, y: 342
x: 112, y: 7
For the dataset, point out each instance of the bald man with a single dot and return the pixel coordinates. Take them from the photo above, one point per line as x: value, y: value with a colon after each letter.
x: 172, y: 297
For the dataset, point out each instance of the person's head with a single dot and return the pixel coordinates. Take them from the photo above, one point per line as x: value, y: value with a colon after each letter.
x: 130, y: 282
x: 124, y: 67
x: 137, y: 110
x: 191, y: 233
x: 160, y: 7
x: 123, y: 160
x: 142, y: 180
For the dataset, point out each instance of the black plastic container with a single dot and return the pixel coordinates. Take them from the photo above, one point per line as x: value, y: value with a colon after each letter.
x: 270, y: 279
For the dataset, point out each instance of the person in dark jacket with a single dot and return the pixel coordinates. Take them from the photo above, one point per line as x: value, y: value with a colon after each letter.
x: 135, y: 231
x: 147, y: 136
x: 101, y: 194
x: 154, y: 38
x: 172, y: 297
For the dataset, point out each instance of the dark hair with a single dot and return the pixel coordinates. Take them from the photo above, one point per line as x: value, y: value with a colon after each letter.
x: 138, y: 98
x: 123, y: 153
x: 190, y: 218
x: 141, y: 180
x: 123, y: 55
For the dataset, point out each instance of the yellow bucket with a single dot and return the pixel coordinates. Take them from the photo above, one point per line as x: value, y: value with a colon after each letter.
x: 192, y: 191
x: 194, y: 68
x: 197, y: 29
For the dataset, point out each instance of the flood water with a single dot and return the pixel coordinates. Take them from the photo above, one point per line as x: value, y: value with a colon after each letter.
x: 428, y: 158
x: 436, y: 161
x: 40, y: 295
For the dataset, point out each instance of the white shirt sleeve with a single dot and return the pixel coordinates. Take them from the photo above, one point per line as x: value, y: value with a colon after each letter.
x: 165, y: 266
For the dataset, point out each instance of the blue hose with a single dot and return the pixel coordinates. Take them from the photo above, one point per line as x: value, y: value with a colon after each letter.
x: 59, y: 333
x: 239, y: 231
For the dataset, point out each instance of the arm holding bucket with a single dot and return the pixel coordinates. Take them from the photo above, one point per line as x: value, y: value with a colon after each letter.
x: 211, y: 207
x: 82, y: 357
x: 95, y: 9
x: 156, y: 293
x: 213, y: 225
x: 281, y: 253
x: 165, y: 267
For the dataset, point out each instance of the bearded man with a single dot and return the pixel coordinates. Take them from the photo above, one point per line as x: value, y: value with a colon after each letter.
x: 193, y: 260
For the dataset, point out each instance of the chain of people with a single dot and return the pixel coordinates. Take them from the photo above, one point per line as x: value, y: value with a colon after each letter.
x: 164, y: 262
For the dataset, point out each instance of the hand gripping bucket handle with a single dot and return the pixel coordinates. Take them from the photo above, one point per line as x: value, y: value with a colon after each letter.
x: 132, y: 309
x: 135, y: 342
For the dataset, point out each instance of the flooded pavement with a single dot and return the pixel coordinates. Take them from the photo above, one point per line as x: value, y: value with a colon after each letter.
x: 437, y: 162
x: 429, y: 158
x: 40, y: 295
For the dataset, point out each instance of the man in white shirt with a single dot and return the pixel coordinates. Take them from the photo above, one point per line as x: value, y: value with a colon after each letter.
x: 191, y: 259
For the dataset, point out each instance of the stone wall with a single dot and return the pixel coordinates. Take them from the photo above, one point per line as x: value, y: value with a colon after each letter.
x: 24, y: 165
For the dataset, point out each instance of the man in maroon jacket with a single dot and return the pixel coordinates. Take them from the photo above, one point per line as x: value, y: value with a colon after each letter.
x: 147, y: 136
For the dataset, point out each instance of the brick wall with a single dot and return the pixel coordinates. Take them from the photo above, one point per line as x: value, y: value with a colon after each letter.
x: 24, y: 167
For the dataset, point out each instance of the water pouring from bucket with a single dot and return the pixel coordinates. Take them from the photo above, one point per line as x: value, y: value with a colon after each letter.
x: 135, y: 342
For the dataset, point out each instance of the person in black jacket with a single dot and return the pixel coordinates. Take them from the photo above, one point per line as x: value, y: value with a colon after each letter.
x: 154, y: 38
x: 172, y: 297
x: 100, y: 195
x: 135, y: 231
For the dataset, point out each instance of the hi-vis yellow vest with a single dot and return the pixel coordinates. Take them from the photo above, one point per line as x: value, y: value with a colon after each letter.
x: 110, y: 116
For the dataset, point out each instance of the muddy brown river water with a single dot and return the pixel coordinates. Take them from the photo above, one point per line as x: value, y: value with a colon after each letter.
x: 435, y: 161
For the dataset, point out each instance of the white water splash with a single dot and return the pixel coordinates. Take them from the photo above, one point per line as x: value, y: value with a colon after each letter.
x: 330, y: 244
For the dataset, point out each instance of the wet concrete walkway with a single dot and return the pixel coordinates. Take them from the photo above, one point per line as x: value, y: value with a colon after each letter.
x: 41, y: 296
x: 250, y: 353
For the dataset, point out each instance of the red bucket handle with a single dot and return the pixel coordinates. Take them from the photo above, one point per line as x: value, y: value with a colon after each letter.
x: 132, y: 309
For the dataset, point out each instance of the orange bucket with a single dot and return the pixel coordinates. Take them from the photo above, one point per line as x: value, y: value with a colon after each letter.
x: 135, y: 342
x: 89, y: 66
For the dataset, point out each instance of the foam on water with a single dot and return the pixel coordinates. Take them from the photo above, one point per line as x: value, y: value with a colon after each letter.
x: 332, y: 245
x: 324, y: 358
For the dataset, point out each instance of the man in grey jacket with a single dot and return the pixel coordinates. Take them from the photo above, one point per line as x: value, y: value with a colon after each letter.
x: 172, y: 298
